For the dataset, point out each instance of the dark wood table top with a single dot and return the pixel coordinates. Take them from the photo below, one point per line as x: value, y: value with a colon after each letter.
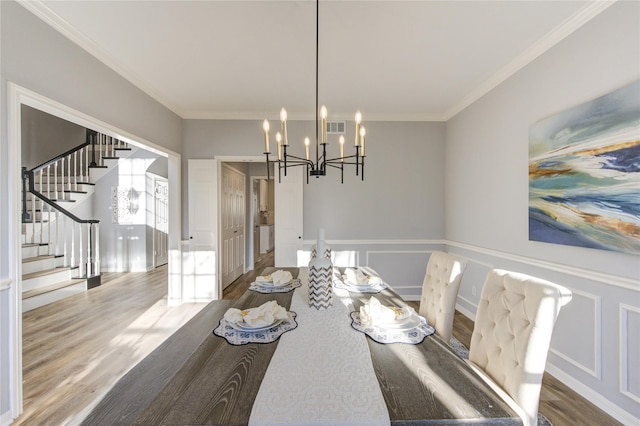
x: 196, y: 377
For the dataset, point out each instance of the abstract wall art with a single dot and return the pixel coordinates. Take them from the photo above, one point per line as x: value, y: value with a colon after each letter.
x: 584, y: 174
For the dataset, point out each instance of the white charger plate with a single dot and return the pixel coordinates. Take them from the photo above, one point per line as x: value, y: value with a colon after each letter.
x: 247, y: 327
x: 407, y: 323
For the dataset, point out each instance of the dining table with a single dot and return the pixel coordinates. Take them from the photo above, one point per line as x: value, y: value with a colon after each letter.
x: 320, y: 368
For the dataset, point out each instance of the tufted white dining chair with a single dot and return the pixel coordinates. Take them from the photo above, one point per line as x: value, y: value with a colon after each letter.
x: 511, y: 336
x: 440, y: 292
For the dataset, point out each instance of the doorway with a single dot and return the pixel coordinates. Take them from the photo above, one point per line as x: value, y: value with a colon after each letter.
x: 17, y: 97
x: 232, y: 220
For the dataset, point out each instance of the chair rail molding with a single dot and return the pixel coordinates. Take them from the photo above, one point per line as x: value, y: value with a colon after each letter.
x: 618, y: 281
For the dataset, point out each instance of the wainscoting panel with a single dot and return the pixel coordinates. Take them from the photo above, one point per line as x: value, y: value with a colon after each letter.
x: 630, y: 351
x: 403, y: 270
x: 596, y: 341
x: 584, y: 350
x: 402, y: 263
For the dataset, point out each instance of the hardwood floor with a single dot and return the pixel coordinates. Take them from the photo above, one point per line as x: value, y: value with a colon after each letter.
x: 76, y: 349
x: 558, y: 403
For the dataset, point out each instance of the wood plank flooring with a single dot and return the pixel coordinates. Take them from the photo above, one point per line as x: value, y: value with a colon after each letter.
x: 76, y: 349
x: 558, y: 403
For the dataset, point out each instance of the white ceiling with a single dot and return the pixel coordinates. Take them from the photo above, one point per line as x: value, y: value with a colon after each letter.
x: 393, y: 60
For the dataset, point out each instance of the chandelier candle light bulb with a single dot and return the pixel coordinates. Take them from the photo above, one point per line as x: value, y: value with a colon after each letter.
x: 283, y: 119
x: 342, y: 148
x: 363, y: 132
x: 306, y: 145
x: 278, y: 141
x: 323, y: 114
x: 358, y: 121
x: 265, y: 126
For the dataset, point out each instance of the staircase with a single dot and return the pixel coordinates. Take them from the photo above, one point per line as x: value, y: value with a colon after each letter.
x: 60, y: 251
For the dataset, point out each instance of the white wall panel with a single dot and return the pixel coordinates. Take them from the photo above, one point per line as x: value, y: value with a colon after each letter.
x: 581, y: 319
x: 630, y: 351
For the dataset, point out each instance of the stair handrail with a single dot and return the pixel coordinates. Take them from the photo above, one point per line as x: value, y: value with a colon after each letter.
x: 29, y: 175
x: 89, y: 260
x: 61, y: 156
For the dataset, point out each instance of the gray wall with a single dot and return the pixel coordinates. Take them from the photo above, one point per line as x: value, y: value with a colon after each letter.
x: 44, y: 136
x: 126, y: 247
x: 36, y: 57
x: 487, y: 206
x: 390, y: 221
x: 402, y: 195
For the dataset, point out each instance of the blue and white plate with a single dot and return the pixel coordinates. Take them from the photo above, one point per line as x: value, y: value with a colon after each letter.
x: 268, y: 287
x: 237, y: 334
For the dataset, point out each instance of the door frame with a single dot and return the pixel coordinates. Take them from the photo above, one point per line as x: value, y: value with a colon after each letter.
x: 154, y: 179
x: 252, y: 217
x: 16, y: 97
x: 238, y: 159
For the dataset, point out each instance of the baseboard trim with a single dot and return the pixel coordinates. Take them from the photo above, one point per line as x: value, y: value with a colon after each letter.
x: 6, y: 418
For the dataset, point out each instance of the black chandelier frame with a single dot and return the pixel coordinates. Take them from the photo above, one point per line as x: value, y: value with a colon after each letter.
x: 319, y: 167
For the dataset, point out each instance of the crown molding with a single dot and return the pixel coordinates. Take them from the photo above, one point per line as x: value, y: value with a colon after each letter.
x: 199, y: 115
x: 59, y: 24
x: 578, y: 19
x: 571, y: 24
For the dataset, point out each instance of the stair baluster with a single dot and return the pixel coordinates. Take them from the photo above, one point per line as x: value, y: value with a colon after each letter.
x: 55, y: 180
x: 75, y: 170
x: 57, y: 232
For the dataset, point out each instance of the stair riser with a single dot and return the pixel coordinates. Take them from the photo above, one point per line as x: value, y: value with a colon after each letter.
x: 33, y: 251
x: 52, y: 296
x: 38, y: 265
x: 45, y: 280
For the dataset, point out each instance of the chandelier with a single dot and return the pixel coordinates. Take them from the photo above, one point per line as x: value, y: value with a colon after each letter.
x: 318, y: 167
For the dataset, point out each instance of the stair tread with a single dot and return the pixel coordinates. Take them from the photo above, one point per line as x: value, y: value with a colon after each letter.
x: 110, y: 158
x: 43, y: 273
x: 73, y: 191
x: 122, y: 149
x: 98, y: 167
x: 50, y: 288
x: 36, y: 258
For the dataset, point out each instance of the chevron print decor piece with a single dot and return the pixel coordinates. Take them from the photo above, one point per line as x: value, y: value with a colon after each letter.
x: 320, y: 278
x: 327, y: 252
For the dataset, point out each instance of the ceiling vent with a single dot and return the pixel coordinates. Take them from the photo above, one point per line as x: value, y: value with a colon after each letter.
x: 336, y: 127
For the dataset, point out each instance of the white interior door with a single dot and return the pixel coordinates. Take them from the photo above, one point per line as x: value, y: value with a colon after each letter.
x: 200, y: 266
x: 203, y: 202
x: 161, y: 228
x: 288, y: 213
x: 232, y: 224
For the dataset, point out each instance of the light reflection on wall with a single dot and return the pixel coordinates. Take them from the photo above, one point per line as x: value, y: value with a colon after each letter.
x: 342, y: 259
x: 132, y: 180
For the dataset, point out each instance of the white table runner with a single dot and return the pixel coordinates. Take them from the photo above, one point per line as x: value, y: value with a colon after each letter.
x: 321, y: 373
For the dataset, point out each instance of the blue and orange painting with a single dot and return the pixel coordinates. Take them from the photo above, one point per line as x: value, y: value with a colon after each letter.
x: 584, y: 174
